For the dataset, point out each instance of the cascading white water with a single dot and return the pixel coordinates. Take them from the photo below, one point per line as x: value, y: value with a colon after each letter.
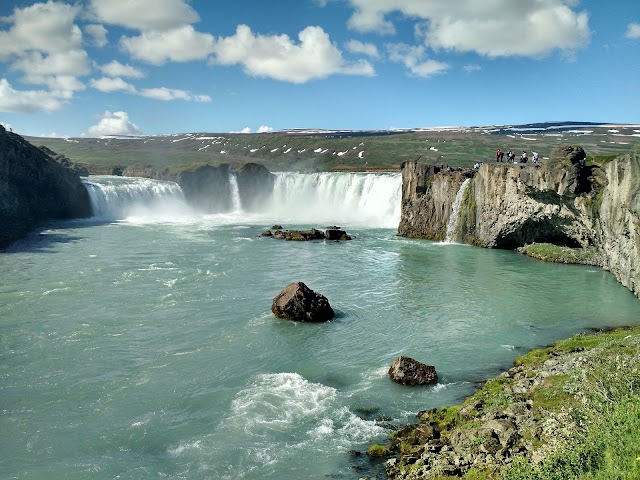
x: 452, y: 225
x: 315, y: 199
x: 344, y: 199
x: 117, y: 198
x: 235, y: 192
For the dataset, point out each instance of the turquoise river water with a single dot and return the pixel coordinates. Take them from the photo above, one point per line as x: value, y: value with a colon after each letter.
x: 140, y: 344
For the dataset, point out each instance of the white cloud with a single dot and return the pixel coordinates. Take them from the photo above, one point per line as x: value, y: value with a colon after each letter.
x: 264, y: 129
x: 414, y: 59
x: 280, y: 58
x: 114, y: 123
x: 29, y: 101
x: 494, y: 29
x: 117, y: 69
x: 108, y: 85
x: 355, y: 46
x: 7, y: 126
x: 144, y: 14
x: 182, y: 44
x: 74, y: 63
x: 97, y: 34
x: 45, y: 27
x: 633, y: 30
x: 472, y: 68
x: 167, y: 94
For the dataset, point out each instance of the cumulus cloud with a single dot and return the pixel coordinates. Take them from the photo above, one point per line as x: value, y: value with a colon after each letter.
x: 27, y: 101
x: 494, y: 29
x: 144, y: 14
x: 167, y: 94
x: 45, y: 27
x: 117, y: 69
x: 45, y: 45
x: 356, y: 46
x: 264, y: 129
x: 97, y: 34
x: 108, y: 85
x: 414, y: 59
x: 280, y: 58
x: 182, y: 44
x: 114, y: 123
x: 633, y: 30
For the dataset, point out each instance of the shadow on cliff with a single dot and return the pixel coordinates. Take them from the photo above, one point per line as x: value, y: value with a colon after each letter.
x: 49, y: 236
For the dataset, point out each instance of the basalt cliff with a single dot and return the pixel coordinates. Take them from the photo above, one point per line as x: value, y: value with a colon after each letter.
x: 35, y: 186
x: 560, y: 201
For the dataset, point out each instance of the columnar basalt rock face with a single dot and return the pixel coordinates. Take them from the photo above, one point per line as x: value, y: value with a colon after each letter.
x: 255, y: 185
x: 560, y: 201
x: 619, y: 221
x: 207, y: 188
x: 428, y: 192
x: 35, y: 188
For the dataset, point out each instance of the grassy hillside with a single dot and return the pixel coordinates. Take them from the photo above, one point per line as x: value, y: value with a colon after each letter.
x: 324, y: 150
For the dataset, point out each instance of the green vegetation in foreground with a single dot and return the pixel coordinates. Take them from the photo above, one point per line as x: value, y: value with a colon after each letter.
x: 325, y: 151
x: 554, y: 253
x: 591, y: 414
x: 604, y: 443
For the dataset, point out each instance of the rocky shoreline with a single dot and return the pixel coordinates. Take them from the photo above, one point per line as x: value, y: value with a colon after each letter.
x: 525, y: 416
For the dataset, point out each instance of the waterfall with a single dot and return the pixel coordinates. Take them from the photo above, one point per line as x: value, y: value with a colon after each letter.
x: 117, y: 198
x: 366, y: 199
x: 297, y: 199
x: 235, y: 192
x: 452, y: 225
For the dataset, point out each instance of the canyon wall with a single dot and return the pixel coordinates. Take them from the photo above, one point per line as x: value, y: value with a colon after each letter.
x: 35, y: 188
x: 560, y: 201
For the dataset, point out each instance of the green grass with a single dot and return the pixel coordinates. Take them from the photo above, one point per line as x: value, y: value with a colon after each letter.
x: 605, y: 405
x: 559, y: 254
x: 381, y: 152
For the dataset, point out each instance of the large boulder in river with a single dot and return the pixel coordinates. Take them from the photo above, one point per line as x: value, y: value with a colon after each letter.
x: 408, y: 371
x: 298, y: 302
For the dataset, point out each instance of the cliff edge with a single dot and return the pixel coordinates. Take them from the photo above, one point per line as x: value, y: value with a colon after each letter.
x: 35, y: 188
x: 561, y: 201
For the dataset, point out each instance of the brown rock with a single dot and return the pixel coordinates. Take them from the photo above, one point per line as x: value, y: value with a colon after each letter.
x: 408, y: 371
x: 298, y: 302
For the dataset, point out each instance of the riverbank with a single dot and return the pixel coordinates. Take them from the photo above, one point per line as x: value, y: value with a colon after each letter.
x: 571, y: 410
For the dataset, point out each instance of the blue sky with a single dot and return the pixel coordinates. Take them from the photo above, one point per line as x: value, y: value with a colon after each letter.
x: 114, y: 67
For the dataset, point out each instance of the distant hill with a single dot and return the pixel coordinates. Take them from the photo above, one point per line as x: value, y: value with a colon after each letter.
x: 319, y: 150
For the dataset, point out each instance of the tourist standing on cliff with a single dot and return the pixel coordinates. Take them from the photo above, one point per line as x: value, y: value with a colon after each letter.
x: 534, y: 159
x: 499, y: 156
x: 524, y: 157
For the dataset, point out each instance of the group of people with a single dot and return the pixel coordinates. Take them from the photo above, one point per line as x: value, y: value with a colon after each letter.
x: 511, y: 157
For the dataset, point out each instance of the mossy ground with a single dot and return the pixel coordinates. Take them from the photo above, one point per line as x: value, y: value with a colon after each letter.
x: 597, y: 405
x: 559, y: 254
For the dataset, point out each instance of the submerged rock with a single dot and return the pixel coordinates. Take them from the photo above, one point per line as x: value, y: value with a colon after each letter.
x: 299, y: 303
x: 407, y: 371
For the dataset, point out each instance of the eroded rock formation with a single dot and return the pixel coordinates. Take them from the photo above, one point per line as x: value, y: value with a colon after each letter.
x: 560, y: 201
x: 35, y: 188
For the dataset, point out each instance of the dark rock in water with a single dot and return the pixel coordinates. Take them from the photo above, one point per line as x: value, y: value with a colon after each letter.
x: 299, y: 235
x: 255, y: 186
x: 266, y: 233
x: 407, y: 371
x: 35, y: 188
x: 276, y: 227
x: 298, y: 302
x: 336, y: 234
x: 207, y: 188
